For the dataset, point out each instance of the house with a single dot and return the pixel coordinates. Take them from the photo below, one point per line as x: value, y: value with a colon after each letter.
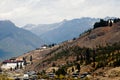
x: 44, y: 46
x: 26, y: 76
x: 75, y: 75
x: 12, y: 64
x: 51, y: 75
x: 30, y: 75
x: 110, y: 22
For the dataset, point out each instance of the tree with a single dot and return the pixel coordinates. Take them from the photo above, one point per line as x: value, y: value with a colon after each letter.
x: 0, y: 70
x: 110, y: 23
x: 53, y: 70
x: 78, y: 67
x: 77, y: 58
x: 24, y: 61
x: 74, y: 38
x: 93, y: 56
x: 43, y: 72
x: 23, y: 58
x: 116, y: 20
x: 102, y: 23
x: 87, y: 55
x: 96, y: 25
x: 11, y: 69
x: 72, y: 69
x: 31, y: 58
x: 17, y: 66
x: 61, y: 71
x: 81, y: 58
x: 53, y: 65
x: 21, y: 66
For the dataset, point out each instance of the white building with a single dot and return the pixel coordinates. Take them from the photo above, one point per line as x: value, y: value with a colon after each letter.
x: 44, y: 47
x: 11, y: 64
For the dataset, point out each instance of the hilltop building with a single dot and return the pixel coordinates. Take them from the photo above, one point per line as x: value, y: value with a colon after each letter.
x: 44, y: 46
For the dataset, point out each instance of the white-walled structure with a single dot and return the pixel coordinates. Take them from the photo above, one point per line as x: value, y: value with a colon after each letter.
x: 9, y: 64
x: 44, y: 47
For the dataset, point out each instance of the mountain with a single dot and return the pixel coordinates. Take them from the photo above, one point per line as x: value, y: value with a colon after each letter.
x: 62, y: 31
x: 15, y: 41
x: 41, y: 28
x: 68, y: 30
x: 104, y: 42
x: 96, y: 51
x: 29, y: 26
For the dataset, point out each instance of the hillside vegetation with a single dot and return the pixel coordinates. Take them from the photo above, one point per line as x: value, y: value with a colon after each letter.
x: 96, y: 48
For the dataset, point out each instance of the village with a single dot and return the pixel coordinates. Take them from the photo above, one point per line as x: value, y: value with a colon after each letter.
x: 15, y: 69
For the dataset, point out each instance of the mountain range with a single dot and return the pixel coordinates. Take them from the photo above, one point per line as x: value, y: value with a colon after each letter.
x: 15, y: 41
x: 104, y: 38
x: 62, y: 31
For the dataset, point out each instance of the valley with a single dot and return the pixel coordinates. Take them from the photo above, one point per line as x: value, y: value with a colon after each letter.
x: 92, y: 56
x: 59, y: 40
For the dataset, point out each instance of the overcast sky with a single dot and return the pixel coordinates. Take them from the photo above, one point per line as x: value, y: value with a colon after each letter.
x: 23, y: 12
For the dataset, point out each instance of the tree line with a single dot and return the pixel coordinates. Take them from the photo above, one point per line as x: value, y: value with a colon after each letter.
x: 103, y: 23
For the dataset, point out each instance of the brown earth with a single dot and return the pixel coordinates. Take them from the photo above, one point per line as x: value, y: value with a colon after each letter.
x: 100, y: 37
x: 97, y: 37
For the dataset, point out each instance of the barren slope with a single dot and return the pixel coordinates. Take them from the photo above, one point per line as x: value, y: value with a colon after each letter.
x: 100, y: 36
x: 97, y: 37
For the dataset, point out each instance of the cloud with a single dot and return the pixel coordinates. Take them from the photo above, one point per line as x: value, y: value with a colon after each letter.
x: 22, y: 12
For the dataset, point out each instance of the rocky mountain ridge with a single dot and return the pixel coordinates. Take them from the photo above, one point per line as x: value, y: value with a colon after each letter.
x: 15, y: 41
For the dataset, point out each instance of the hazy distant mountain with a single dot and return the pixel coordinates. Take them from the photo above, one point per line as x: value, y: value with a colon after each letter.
x: 41, y: 28
x: 65, y: 30
x: 29, y: 26
x: 69, y: 29
x: 15, y: 41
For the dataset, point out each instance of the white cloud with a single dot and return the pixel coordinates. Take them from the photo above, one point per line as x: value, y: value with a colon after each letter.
x: 22, y: 12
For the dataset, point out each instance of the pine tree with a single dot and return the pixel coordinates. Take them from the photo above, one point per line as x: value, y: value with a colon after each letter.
x: 78, y: 67
x: 87, y: 55
x: 77, y: 58
x: 61, y: 71
x: 25, y: 63
x: 31, y: 58
x: 72, y: 69
x: 17, y: 66
x: 21, y: 65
